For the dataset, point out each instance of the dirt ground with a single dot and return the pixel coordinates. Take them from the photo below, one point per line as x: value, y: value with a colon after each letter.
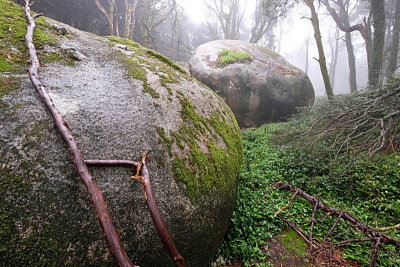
x: 290, y: 250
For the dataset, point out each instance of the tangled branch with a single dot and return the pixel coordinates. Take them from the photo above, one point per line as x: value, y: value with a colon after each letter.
x: 365, y: 122
x: 326, y: 246
x: 96, y: 195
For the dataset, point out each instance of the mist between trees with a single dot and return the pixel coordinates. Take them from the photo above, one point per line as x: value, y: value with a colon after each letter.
x: 359, y: 39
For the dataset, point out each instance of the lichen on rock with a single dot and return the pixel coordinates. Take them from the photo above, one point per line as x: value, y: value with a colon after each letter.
x: 46, y: 216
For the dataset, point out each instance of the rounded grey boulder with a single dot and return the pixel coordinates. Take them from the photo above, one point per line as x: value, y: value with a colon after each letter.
x: 120, y: 100
x: 264, y: 88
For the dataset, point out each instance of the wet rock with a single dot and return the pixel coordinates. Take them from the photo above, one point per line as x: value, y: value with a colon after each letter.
x: 118, y: 103
x: 264, y: 89
x: 60, y: 29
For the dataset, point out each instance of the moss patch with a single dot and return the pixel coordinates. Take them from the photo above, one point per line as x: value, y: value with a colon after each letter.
x: 164, y: 67
x: 124, y: 41
x: 137, y: 72
x: 139, y: 61
x: 12, y: 36
x: 64, y: 58
x: 211, y: 167
x: 292, y: 242
x: 166, y: 60
x: 8, y: 84
x: 227, y: 56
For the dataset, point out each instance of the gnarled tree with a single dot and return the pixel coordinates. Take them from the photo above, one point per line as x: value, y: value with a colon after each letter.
x: 152, y: 14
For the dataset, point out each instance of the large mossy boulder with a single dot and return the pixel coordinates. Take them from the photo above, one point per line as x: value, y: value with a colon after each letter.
x: 119, y: 100
x: 259, y: 85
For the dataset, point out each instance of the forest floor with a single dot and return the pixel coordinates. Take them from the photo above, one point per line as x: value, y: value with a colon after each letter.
x: 257, y: 237
x: 288, y: 249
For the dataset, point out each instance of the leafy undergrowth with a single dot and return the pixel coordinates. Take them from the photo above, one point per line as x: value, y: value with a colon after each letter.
x: 369, y: 189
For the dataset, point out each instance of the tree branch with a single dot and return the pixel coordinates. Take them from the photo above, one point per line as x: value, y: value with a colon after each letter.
x: 362, y: 227
x: 142, y: 174
x: 93, y: 190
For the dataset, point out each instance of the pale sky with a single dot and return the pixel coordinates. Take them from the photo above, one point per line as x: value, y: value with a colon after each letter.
x: 194, y: 8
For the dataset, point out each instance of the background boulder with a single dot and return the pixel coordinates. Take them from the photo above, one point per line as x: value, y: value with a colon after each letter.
x: 119, y: 100
x: 264, y: 89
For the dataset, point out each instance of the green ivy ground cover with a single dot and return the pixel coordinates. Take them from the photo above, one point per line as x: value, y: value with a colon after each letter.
x: 369, y: 190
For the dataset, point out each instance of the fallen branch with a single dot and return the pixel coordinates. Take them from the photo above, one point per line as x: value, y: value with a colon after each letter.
x: 362, y: 227
x: 389, y: 227
x: 93, y: 190
x: 95, y: 193
x: 142, y: 174
x: 375, y: 236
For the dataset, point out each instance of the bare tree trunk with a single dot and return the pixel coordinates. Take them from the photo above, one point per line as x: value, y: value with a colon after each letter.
x: 335, y: 52
x: 344, y: 15
x: 307, y: 52
x: 154, y: 13
x: 129, y: 20
x: 111, y: 19
x: 352, y: 63
x: 376, y: 59
x: 390, y: 13
x: 321, y: 53
x: 115, y: 15
x: 394, y: 51
x: 260, y: 23
x: 228, y: 15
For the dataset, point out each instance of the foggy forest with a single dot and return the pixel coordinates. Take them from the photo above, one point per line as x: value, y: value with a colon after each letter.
x: 199, y: 133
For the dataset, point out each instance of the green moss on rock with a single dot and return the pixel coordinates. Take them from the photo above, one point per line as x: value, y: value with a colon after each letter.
x: 227, y: 56
x: 63, y: 58
x: 137, y: 72
x: 12, y: 33
x: 166, y: 60
x: 211, y: 167
x: 205, y: 166
x: 123, y: 41
x: 9, y: 84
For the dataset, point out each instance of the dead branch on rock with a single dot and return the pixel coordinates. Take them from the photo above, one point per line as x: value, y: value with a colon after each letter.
x: 327, y: 244
x: 93, y: 190
x: 142, y: 174
x: 96, y: 195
